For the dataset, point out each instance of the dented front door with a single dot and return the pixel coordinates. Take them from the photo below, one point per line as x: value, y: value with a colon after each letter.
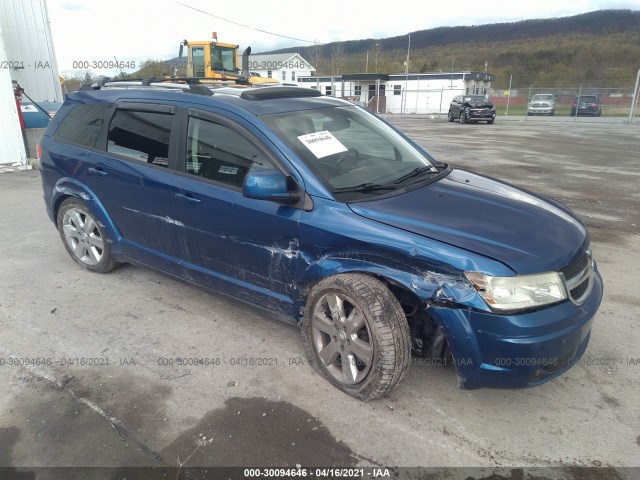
x: 252, y: 243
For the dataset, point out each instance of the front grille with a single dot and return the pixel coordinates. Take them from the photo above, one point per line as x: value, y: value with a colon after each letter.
x: 578, y: 277
x: 580, y: 290
x: 576, y: 267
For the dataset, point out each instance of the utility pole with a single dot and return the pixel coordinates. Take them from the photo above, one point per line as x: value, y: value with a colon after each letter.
x: 376, y: 52
x: 632, y: 112
x: 451, y: 83
x: 406, y: 77
x: 508, y: 96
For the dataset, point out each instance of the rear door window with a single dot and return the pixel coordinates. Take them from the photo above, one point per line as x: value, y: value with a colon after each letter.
x: 142, y: 136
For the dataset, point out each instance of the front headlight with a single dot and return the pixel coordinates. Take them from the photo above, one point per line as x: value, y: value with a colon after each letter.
x: 519, y: 292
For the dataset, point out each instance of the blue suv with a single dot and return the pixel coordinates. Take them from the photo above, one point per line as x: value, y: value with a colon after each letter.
x: 312, y: 206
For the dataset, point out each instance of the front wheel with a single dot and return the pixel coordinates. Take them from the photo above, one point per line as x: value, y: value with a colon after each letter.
x: 356, y: 335
x: 83, y: 237
x: 450, y: 116
x: 463, y: 118
x: 490, y: 122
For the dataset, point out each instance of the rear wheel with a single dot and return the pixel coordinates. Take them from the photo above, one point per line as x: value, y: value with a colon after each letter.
x: 356, y: 335
x: 83, y: 237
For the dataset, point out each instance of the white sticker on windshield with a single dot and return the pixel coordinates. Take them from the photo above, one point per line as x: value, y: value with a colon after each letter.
x: 322, y: 144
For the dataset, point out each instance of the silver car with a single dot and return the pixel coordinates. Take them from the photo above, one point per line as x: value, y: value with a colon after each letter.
x: 542, y: 104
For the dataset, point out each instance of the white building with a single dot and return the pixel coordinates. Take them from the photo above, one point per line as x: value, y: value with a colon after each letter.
x: 425, y: 93
x: 284, y: 67
x: 26, y: 56
x: 11, y: 142
x: 29, y: 48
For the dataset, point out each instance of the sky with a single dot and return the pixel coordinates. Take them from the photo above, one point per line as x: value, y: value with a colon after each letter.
x: 135, y: 31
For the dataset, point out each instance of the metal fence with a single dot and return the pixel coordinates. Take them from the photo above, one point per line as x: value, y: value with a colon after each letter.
x: 611, y: 102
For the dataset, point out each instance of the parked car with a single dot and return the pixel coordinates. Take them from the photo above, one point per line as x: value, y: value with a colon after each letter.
x: 542, y: 104
x: 587, y: 105
x: 471, y: 108
x: 312, y: 206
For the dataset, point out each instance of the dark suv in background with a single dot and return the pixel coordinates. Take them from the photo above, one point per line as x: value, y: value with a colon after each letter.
x: 471, y: 108
x: 587, y: 105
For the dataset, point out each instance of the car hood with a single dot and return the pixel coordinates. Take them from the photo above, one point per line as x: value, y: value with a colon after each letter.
x: 526, y: 232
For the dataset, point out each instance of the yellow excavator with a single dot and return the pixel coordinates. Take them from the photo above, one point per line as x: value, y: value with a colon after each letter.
x: 210, y: 59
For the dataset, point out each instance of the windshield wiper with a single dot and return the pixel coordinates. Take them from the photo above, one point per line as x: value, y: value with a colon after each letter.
x: 364, y: 187
x: 416, y: 172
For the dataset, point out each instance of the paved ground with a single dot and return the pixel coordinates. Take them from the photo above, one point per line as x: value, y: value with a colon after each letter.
x: 75, y: 409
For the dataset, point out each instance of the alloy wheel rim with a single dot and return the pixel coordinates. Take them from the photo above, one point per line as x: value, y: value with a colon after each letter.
x: 82, y: 236
x: 341, y: 338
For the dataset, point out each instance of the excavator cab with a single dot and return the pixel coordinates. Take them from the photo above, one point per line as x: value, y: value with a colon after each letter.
x: 218, y: 61
x: 211, y: 59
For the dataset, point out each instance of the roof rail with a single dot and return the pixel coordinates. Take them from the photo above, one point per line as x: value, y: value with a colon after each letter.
x: 196, y: 85
x: 188, y: 84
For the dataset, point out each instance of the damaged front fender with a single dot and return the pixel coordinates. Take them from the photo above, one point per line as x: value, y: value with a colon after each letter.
x: 428, y: 286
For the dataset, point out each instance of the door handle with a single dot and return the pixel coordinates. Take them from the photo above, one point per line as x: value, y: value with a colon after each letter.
x: 188, y: 197
x: 97, y: 171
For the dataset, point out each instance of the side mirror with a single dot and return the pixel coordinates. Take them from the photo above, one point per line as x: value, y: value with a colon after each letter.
x: 268, y: 185
x: 180, y: 51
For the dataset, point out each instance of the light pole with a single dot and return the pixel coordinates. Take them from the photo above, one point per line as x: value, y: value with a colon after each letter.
x: 376, y: 52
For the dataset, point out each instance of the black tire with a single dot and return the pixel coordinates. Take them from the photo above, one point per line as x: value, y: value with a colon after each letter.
x: 490, y: 122
x: 450, y: 116
x: 93, y: 250
x: 385, y: 331
x: 463, y: 118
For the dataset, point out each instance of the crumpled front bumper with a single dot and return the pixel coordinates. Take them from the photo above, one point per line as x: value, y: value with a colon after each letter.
x: 481, y: 114
x: 512, y: 351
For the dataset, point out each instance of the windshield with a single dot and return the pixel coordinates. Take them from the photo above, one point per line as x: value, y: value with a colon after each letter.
x: 222, y: 58
x: 546, y: 98
x: 476, y: 99
x: 348, y: 147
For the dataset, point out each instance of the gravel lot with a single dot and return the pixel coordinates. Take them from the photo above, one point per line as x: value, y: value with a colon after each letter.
x: 101, y: 394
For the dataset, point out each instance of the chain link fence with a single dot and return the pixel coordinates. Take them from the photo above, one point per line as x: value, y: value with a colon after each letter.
x: 518, y: 101
x: 606, y: 102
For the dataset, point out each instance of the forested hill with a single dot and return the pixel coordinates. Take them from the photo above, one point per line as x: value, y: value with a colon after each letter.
x: 600, y: 48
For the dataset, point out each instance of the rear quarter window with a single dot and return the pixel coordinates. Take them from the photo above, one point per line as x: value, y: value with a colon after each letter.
x: 82, y: 125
